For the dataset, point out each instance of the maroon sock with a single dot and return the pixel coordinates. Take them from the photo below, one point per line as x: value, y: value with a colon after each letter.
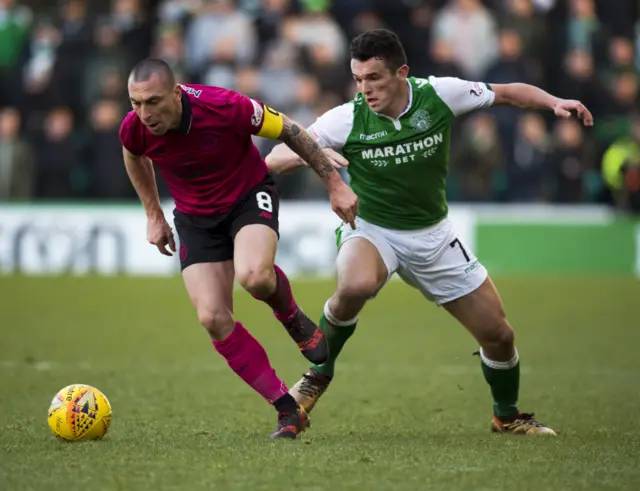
x: 281, y: 300
x: 246, y: 356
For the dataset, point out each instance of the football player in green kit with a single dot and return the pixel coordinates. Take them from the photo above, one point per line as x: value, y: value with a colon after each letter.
x: 395, y: 136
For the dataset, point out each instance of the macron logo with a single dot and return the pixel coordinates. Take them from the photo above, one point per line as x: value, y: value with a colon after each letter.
x: 266, y: 215
x: 374, y: 136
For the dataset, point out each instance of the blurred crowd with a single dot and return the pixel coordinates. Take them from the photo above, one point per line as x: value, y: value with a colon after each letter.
x: 63, y: 68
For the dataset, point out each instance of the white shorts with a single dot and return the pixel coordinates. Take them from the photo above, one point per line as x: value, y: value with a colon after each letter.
x: 433, y: 260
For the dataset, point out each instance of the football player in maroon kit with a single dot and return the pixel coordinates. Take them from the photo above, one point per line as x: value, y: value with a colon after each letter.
x: 226, y: 212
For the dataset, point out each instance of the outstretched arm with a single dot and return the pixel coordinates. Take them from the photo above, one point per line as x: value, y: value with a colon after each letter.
x: 530, y: 97
x: 463, y: 96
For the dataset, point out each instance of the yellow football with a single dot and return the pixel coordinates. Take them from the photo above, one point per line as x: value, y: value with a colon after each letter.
x: 79, y: 412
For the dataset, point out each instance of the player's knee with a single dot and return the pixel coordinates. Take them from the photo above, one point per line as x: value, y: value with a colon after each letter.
x: 500, y: 336
x: 505, y: 337
x: 257, y: 280
x: 218, y: 322
x: 357, y: 287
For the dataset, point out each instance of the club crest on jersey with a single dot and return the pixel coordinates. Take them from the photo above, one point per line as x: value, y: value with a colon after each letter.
x: 420, y: 120
x: 258, y: 113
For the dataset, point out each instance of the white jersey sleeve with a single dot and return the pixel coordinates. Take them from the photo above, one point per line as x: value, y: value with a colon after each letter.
x: 462, y: 96
x: 332, y: 129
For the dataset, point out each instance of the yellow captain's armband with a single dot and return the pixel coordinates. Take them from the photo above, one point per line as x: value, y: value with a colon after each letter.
x: 272, y: 125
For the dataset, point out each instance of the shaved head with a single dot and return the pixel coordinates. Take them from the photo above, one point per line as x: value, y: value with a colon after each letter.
x: 147, y: 68
x: 155, y: 96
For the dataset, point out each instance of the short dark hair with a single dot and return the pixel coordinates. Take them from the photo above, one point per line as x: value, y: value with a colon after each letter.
x: 379, y: 43
x: 148, y: 67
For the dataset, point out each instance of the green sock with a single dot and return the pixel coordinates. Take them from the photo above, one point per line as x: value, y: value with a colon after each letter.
x: 504, y: 380
x: 336, y: 337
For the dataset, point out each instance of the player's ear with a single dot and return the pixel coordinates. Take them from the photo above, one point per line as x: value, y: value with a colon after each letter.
x: 403, y: 71
x: 177, y: 92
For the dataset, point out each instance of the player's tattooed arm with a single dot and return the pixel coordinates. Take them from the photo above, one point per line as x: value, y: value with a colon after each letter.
x: 283, y: 160
x: 302, y: 143
x: 344, y: 202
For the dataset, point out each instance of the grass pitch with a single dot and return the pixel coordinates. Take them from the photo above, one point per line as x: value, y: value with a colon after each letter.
x: 409, y: 409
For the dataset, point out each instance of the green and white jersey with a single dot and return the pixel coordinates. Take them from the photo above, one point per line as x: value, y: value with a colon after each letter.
x: 398, y: 167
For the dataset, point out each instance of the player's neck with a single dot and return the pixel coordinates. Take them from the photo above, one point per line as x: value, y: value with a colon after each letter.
x: 175, y: 124
x: 399, y: 105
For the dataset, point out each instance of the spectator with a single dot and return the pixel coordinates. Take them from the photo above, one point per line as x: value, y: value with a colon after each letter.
x: 526, y: 172
x: 44, y: 74
x: 621, y: 55
x: 106, y: 174
x: 110, y: 60
x: 521, y: 18
x: 472, y: 30
x: 16, y: 158
x: 76, y: 27
x: 443, y: 56
x: 128, y: 19
x: 512, y: 65
x: 477, y: 163
x: 578, y: 80
x: 170, y: 47
x: 321, y: 42
x: 63, y: 73
x: 584, y: 29
x: 218, y: 39
x: 279, y: 70
x: 272, y: 16
x: 621, y: 101
x: 15, y: 24
x: 56, y: 156
x: 621, y: 169
x: 316, y: 31
x: 572, y: 164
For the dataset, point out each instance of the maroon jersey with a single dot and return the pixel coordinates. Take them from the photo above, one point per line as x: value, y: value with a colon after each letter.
x: 209, y: 163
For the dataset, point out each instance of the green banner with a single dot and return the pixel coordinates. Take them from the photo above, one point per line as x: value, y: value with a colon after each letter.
x: 604, y: 247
